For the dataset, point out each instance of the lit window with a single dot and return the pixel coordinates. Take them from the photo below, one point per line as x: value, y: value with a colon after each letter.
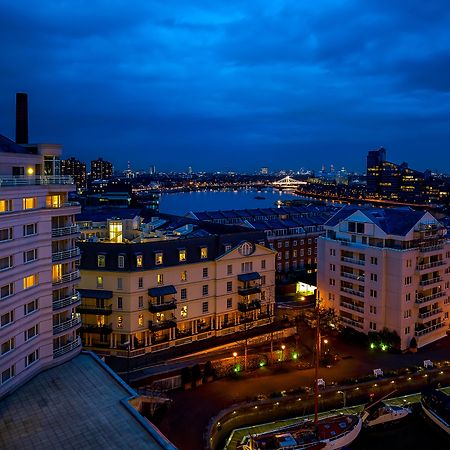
x: 160, y: 317
x: 53, y: 201
x: 158, y: 258
x: 160, y: 278
x: 184, y: 311
x: 5, y: 205
x: 139, y: 260
x: 119, y: 321
x: 101, y: 260
x: 30, y: 281
x: 184, y: 275
x: 141, y: 320
x: 204, y: 252
x: 182, y: 255
x: 99, y: 281
x: 115, y: 231
x: 29, y: 203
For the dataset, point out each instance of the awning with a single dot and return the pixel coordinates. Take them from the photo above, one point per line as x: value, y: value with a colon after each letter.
x: 163, y: 290
x: 93, y: 293
x: 249, y: 276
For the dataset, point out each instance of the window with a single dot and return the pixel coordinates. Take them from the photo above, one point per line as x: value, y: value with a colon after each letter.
x: 32, y: 358
x: 279, y: 255
x: 229, y: 303
x: 101, y: 260
x: 29, y: 203
x: 119, y: 321
x: 119, y: 283
x: 408, y: 263
x: 408, y: 280
x: 203, y: 252
x: 332, y: 267
x: 229, y: 269
x: 309, y: 241
x: 302, y: 252
x: 279, y: 244
x: 263, y: 295
x: 140, y: 301
x: 373, y: 293
x: 6, y: 263
x: 158, y: 258
x: 204, y: 307
x: 246, y: 267
x: 407, y: 314
x: 184, y: 311
x: 184, y: 275
x: 54, y: 201
x: 30, y: 307
x: 30, y: 281
x: 294, y: 253
x: 6, y: 205
x: 294, y: 243
x: 141, y: 320
x: 205, y: 272
x: 7, y: 318
x: 183, y: 294
x: 309, y: 252
x: 205, y: 289
x: 140, y: 260
x: 373, y: 309
x: 286, y: 266
x: 302, y: 242
x: 7, y: 346
x: 159, y: 278
x: 6, y: 234
x: 100, y: 282
x: 119, y: 302
x: 30, y: 229
x: 373, y: 277
x: 227, y: 248
x: 30, y: 255
x: 373, y: 260
x: 407, y: 330
x: 31, y: 332
x: 279, y: 267
x: 408, y: 297
x: 332, y: 282
x: 263, y: 264
x: 121, y: 261
x: 286, y: 243
x: 229, y: 286
x: 263, y: 280
x: 140, y: 282
x: 7, y: 374
x: 286, y: 255
x: 182, y: 255
x: 373, y: 326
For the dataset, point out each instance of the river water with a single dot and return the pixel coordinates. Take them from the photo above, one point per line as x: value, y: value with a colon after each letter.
x: 181, y: 203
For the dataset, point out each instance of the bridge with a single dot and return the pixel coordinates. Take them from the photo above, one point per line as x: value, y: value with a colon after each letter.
x: 288, y: 183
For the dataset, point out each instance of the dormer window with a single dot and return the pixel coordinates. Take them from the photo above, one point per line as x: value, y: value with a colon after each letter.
x: 356, y: 227
x: 182, y: 255
x: 139, y: 260
x: 159, y: 258
x: 101, y: 260
x: 203, y: 252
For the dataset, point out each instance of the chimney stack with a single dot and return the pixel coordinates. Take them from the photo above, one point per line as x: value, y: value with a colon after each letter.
x: 21, y: 118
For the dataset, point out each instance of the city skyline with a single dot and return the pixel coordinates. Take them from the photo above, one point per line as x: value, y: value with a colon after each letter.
x: 178, y: 87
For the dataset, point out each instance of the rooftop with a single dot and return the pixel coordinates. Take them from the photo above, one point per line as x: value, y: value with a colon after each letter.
x: 80, y: 404
x: 9, y: 146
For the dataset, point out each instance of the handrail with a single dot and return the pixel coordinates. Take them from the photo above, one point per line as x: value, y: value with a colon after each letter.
x: 430, y: 297
x: 66, y: 301
x: 63, y: 231
x: 72, y: 276
x: 35, y: 180
x: 67, y: 348
x: 430, y: 281
x: 66, y: 254
x: 66, y: 325
x: 352, y: 307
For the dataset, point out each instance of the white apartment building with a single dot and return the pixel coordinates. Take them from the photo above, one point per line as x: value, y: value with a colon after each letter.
x: 387, y: 268
x: 38, y: 263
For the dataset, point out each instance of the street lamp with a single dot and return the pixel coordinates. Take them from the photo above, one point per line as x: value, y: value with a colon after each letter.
x: 282, y: 352
x: 234, y: 356
x: 344, y: 397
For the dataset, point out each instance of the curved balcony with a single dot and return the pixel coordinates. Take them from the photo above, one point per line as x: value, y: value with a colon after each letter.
x: 67, y: 278
x: 63, y: 326
x: 67, y: 348
x: 433, y: 312
x: 72, y: 299
x: 105, y: 310
x: 429, y: 329
x: 431, y: 248
x: 25, y: 180
x: 352, y: 276
x: 353, y: 323
x: 428, y: 298
x: 65, y: 231
x: 430, y: 281
x: 96, y: 329
x: 163, y: 325
x: 430, y: 265
x: 66, y: 254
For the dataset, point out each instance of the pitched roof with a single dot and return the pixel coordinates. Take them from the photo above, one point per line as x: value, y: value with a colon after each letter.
x: 9, y: 146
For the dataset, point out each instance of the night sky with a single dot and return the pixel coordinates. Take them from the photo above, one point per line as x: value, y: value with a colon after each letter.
x: 231, y: 85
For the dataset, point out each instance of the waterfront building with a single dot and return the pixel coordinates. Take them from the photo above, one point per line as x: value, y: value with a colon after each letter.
x: 76, y: 169
x: 151, y: 283
x: 38, y: 263
x: 101, y: 169
x: 387, y: 268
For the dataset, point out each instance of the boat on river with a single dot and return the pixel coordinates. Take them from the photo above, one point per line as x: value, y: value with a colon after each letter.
x: 436, y: 406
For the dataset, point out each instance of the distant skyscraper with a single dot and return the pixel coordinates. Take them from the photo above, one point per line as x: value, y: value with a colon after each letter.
x: 264, y: 171
x: 76, y: 169
x: 189, y: 171
x: 101, y: 169
x: 152, y: 170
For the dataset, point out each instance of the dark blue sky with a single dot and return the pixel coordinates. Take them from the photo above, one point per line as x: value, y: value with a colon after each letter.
x: 231, y: 85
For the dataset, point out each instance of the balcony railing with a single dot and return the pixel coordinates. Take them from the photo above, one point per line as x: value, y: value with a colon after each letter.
x: 431, y: 281
x: 431, y: 313
x: 352, y: 291
x: 250, y: 306
x: 353, y: 276
x: 430, y: 265
x: 66, y: 325
x: 67, y: 348
x: 66, y: 301
x: 431, y: 248
x: 353, y: 323
x: 352, y: 307
x: 105, y: 310
x: 66, y: 254
x: 97, y: 329
x: 34, y: 180
x: 68, y: 277
x: 249, y: 290
x: 163, y: 325
x: 420, y: 300
x: 429, y: 329
x: 65, y: 231
x: 152, y: 307
x: 62, y: 205
x: 360, y: 262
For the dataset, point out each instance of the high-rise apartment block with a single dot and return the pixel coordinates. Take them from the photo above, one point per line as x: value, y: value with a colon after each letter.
x: 101, y: 169
x: 76, y: 169
x: 388, y: 268
x: 38, y: 263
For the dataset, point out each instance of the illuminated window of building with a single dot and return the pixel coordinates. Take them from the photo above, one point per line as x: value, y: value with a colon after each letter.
x: 141, y: 320
x: 158, y: 258
x: 160, y: 317
x: 99, y: 281
x: 5, y: 205
x: 56, y: 272
x: 160, y: 278
x: 29, y: 202
x: 139, y: 260
x: 30, y: 281
x: 101, y: 260
x: 203, y: 252
x: 119, y: 321
x: 182, y: 255
x: 100, y: 321
x: 184, y: 311
x: 184, y: 275
x: 115, y: 231
x: 54, y: 201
